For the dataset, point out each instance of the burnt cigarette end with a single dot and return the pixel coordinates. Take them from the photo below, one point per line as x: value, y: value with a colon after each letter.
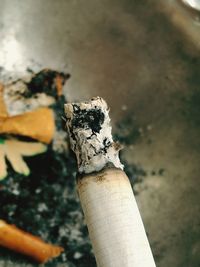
x: 88, y: 124
x: 87, y: 119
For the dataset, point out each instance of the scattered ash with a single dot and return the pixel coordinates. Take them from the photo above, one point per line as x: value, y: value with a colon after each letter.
x: 192, y: 107
x: 44, y: 81
x: 1, y: 71
x: 39, y: 90
x: 46, y: 204
x: 127, y: 131
x: 60, y: 142
x: 34, y: 90
x: 159, y: 172
x: 190, y: 112
x: 191, y: 100
x: 4, y: 75
x: 135, y: 173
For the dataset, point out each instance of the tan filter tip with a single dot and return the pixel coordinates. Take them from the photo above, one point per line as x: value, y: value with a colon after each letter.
x: 22, y: 242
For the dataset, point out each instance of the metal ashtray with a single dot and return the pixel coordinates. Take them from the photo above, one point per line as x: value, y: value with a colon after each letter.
x: 143, y: 58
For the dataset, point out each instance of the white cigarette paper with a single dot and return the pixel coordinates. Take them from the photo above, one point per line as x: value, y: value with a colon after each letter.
x: 115, y: 226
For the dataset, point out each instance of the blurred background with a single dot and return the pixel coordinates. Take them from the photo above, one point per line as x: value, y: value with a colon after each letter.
x: 143, y: 57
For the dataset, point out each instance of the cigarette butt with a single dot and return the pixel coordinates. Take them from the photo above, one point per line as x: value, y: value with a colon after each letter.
x: 3, y: 109
x: 113, y: 219
x: 22, y: 242
x: 59, y: 84
x: 38, y: 124
x: 115, y: 226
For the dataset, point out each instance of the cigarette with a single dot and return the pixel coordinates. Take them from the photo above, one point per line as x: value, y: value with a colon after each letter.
x: 114, y: 223
x: 3, y: 109
x: 30, y: 124
x: 22, y: 242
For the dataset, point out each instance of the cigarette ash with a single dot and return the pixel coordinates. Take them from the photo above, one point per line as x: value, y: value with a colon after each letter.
x: 42, y: 89
x: 88, y: 119
x: 45, y: 81
x: 45, y: 203
x: 190, y: 111
x: 192, y: 107
x: 90, y: 134
x: 17, y: 102
x: 129, y: 132
x: 33, y: 91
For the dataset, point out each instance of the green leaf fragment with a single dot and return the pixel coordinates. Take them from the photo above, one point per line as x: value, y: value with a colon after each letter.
x: 2, y: 141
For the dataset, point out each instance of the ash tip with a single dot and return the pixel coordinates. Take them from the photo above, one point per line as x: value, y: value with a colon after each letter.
x: 89, y: 128
x: 68, y: 108
x: 94, y: 102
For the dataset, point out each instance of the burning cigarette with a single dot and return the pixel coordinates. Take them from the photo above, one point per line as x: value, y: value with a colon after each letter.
x: 112, y: 216
x: 19, y: 241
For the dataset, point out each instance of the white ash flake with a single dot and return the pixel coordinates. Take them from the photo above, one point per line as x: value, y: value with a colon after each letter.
x: 60, y: 144
x: 76, y: 234
x: 42, y: 207
x: 77, y: 255
x: 63, y: 231
x: 14, y: 188
x: 16, y: 192
x: 43, y: 235
x: 17, y: 104
x: 10, y: 213
x: 64, y: 257
x: 52, y: 222
x: 72, y: 232
x: 38, y: 190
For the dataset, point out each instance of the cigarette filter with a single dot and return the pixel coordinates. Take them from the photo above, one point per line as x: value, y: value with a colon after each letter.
x: 22, y: 242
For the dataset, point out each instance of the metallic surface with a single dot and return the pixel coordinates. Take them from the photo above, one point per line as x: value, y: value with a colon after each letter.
x: 193, y: 3
x: 143, y: 58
